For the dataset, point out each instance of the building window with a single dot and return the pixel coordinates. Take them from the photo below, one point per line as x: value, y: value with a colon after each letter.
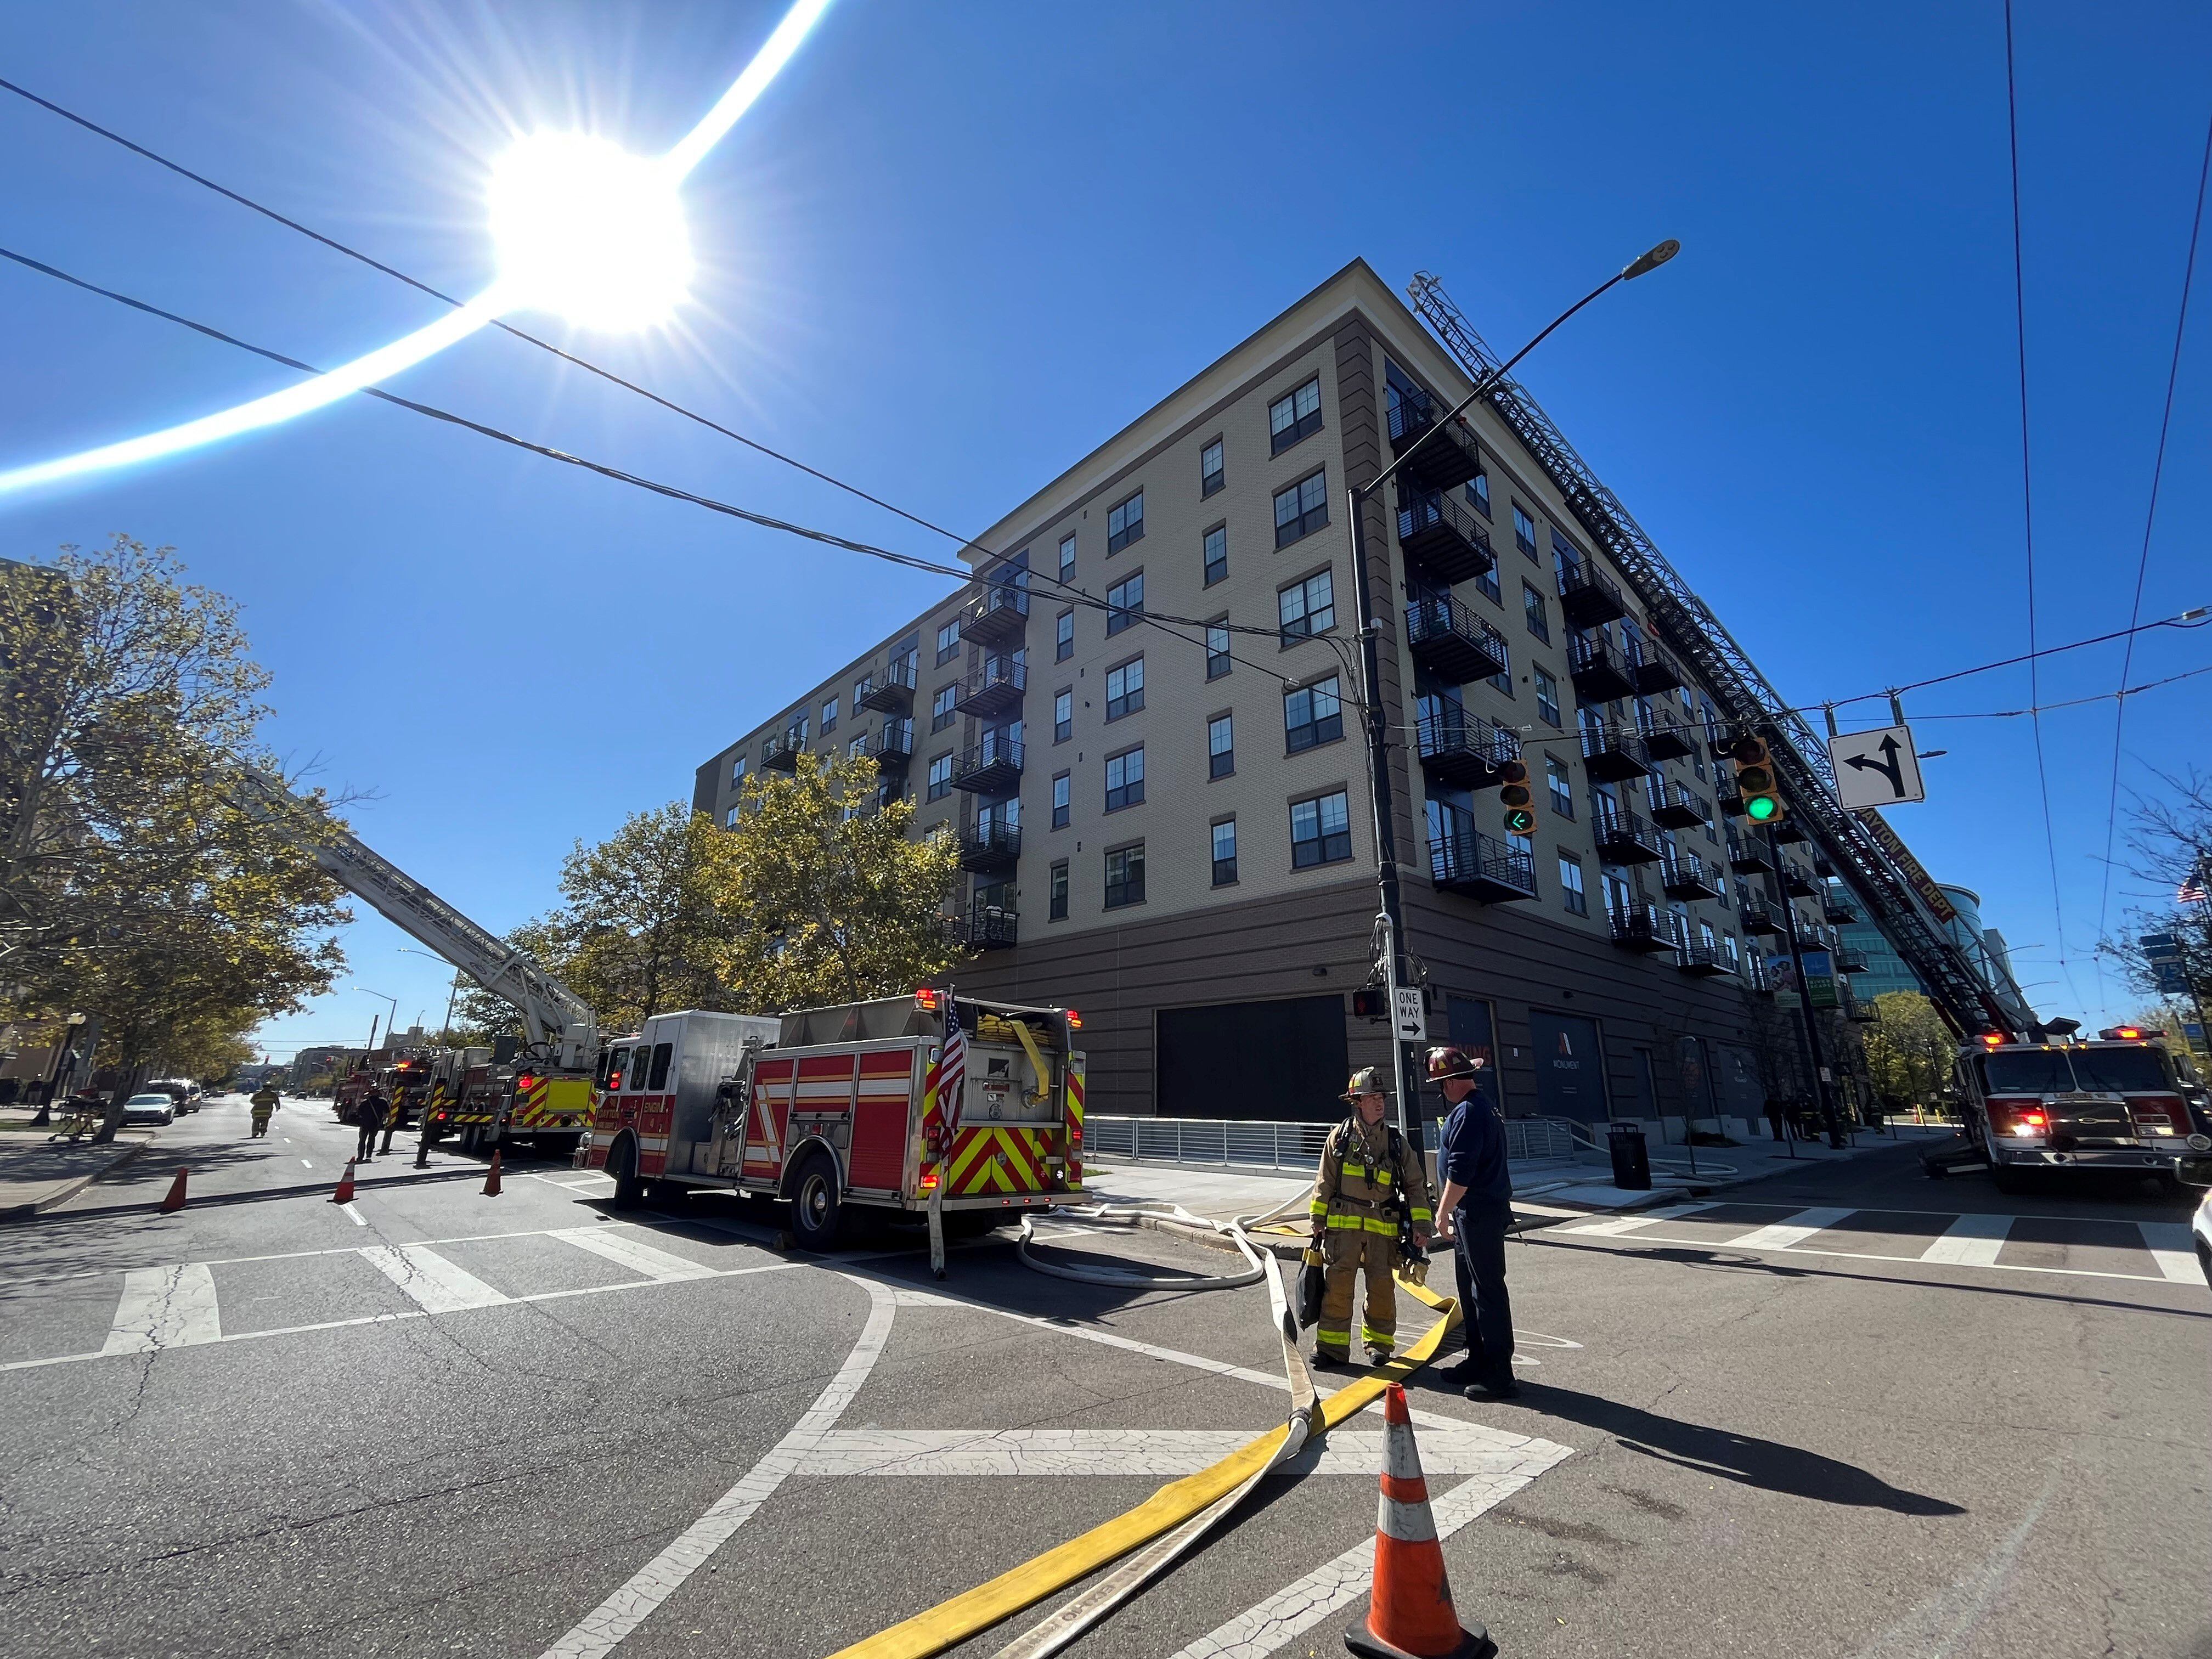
x: 1060, y: 791
x: 1532, y: 609
x: 828, y: 717
x: 1125, y: 602
x: 1066, y: 557
x: 1063, y: 644
x: 1524, y: 531
x: 1125, y: 689
x: 1728, y: 941
x: 1477, y: 492
x: 1211, y: 472
x: 1320, y: 831
x: 1125, y: 778
x: 1313, y: 715
x: 1125, y: 876
x: 1301, y: 508
x: 1484, y: 582
x: 1063, y: 716
x: 1547, y: 698
x: 1125, y: 523
x: 1306, y: 608
x: 1294, y: 415
x: 940, y: 777
x: 1058, y: 905
x: 1220, y: 747
x: 944, y: 707
x: 1225, y: 853
x: 858, y: 747
x: 1217, y: 554
x: 730, y: 818
x: 1217, y: 649
x: 1562, y: 785
x: 948, y: 642
x: 1571, y: 885
x: 737, y: 771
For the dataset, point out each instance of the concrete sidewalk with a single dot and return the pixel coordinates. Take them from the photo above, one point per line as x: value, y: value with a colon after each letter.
x: 36, y: 1173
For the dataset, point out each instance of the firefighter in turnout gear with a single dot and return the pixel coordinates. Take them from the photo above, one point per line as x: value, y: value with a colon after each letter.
x: 1370, y: 1179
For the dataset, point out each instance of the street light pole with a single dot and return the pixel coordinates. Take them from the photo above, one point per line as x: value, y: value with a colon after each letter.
x: 1390, y: 920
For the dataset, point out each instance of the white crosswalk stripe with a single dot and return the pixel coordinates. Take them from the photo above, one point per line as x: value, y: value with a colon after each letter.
x: 1615, y: 1224
x: 633, y: 1254
x: 436, y: 1284
x: 2171, y: 1247
x: 165, y: 1307
x: 1971, y: 1240
x: 1796, y: 1230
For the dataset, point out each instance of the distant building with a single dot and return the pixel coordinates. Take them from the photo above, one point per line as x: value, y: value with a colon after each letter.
x: 1985, y: 949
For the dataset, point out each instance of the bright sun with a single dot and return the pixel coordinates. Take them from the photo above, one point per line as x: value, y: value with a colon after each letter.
x: 589, y: 231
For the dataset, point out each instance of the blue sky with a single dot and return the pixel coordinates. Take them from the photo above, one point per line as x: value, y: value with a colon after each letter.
x: 954, y: 247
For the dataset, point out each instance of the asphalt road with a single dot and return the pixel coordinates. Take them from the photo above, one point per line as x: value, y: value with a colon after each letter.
x: 1823, y: 1415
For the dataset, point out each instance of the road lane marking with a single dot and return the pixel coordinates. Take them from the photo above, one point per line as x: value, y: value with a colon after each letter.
x: 164, y: 1307
x: 1971, y: 1240
x: 1465, y: 1449
x: 2171, y: 1247
x: 602, y: 1629
x: 633, y: 1254
x: 354, y: 1215
x: 1615, y: 1224
x: 1915, y: 1261
x: 437, y: 1285
x: 305, y: 1164
x: 1796, y: 1230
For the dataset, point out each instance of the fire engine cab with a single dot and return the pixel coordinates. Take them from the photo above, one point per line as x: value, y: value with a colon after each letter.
x: 836, y: 1110
x: 2123, y: 1102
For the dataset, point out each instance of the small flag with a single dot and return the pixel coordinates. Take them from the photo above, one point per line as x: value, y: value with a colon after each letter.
x: 952, y: 1067
x: 2192, y: 890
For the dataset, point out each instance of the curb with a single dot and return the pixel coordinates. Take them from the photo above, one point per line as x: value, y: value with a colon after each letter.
x: 70, y: 1190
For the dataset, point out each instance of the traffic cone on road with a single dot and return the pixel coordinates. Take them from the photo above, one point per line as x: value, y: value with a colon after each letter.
x: 344, y: 1194
x: 175, y: 1200
x: 491, y: 1175
x: 1409, y: 1615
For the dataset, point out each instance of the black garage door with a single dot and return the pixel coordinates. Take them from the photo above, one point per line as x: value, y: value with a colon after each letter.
x: 1254, y: 1059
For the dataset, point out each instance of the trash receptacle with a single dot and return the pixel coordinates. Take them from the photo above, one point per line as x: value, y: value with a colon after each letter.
x: 1631, y: 1159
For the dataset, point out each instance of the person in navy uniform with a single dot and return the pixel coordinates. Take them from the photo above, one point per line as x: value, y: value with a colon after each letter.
x: 1474, y: 1211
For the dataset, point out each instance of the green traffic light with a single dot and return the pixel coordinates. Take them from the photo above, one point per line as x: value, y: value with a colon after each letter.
x: 1520, y: 821
x: 1761, y: 807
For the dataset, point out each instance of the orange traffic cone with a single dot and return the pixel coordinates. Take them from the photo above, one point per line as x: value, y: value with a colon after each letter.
x: 175, y: 1200
x: 491, y: 1175
x: 344, y: 1194
x: 1409, y: 1615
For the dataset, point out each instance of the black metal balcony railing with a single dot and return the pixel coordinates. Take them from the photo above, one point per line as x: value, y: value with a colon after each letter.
x: 1747, y: 855
x: 1442, y: 537
x: 994, y: 689
x: 1677, y: 807
x: 1598, y: 670
x: 1849, y: 961
x: 990, y: 846
x: 1624, y: 838
x: 890, y: 692
x: 1686, y: 875
x: 1652, y: 669
x: 1704, y: 960
x: 1468, y: 861
x: 1612, y: 754
x: 986, y: 928
x: 1454, y: 643
x: 780, y: 754
x: 1838, y: 907
x: 1000, y: 612
x: 993, y: 767
x: 1789, y: 832
x: 1756, y: 914
x: 894, y: 744
x: 1643, y: 928
x: 1447, y: 460
x: 1588, y: 599
x: 1462, y: 749
x: 1797, y: 881
x: 1664, y: 738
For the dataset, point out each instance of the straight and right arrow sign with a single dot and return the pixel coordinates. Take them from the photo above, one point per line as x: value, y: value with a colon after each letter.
x: 1876, y: 768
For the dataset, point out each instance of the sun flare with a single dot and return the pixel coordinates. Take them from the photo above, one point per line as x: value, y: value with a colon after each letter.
x: 584, y: 229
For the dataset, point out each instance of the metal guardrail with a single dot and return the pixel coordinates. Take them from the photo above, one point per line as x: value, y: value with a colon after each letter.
x: 1270, y: 1145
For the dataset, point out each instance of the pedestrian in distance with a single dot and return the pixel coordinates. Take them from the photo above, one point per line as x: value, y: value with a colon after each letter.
x: 1370, y: 1180
x: 368, y: 1115
x: 263, y: 1102
x: 1476, y: 1207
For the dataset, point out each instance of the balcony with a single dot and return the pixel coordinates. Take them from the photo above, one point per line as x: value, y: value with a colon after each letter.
x: 1665, y: 740
x: 890, y: 692
x: 1789, y: 832
x: 1652, y: 669
x: 1676, y: 807
x: 999, y: 615
x: 1757, y: 915
x: 1704, y: 961
x: 1452, y: 642
x: 1612, y: 754
x: 1445, y: 462
x: 1686, y: 875
x: 780, y: 754
x: 1727, y: 797
x: 1747, y: 857
x: 1644, y: 927
x: 1823, y: 866
x: 1861, y: 1013
x: 1588, y: 599
x: 1443, y: 538
x: 1461, y: 750
x: 1849, y: 961
x: 994, y: 690
x: 1470, y: 862
x: 988, y: 927
x: 993, y: 767
x: 1599, y: 671
x: 991, y: 847
x: 1838, y: 907
x: 1797, y: 881
x: 894, y: 744
x: 1624, y: 838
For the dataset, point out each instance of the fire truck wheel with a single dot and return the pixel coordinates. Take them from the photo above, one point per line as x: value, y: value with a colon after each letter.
x: 622, y: 1169
x: 816, y: 1214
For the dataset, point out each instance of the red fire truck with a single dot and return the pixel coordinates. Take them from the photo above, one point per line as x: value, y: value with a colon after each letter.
x: 829, y: 1108
x: 2124, y: 1102
x: 487, y: 1103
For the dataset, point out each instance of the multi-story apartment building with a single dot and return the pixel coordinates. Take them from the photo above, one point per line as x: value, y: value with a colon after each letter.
x: 1143, y: 721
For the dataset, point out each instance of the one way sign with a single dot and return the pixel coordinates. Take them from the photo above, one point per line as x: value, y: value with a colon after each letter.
x: 1876, y: 768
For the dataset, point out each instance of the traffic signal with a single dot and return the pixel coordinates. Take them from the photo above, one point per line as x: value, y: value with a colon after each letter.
x: 1755, y: 782
x: 1368, y: 1002
x: 1513, y: 792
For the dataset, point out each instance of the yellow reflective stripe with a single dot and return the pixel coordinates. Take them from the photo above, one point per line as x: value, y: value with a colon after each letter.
x: 1379, y: 1224
x: 1357, y: 1169
x: 1352, y: 1222
x: 1422, y: 1215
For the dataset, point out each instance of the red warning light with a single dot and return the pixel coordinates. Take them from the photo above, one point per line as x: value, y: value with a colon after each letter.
x: 927, y: 1000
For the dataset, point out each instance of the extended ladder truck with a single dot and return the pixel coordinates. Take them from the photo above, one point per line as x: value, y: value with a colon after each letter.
x: 544, y: 1094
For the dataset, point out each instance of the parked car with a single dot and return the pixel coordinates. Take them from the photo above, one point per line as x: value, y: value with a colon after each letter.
x: 149, y: 1108
x: 2198, y: 1172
